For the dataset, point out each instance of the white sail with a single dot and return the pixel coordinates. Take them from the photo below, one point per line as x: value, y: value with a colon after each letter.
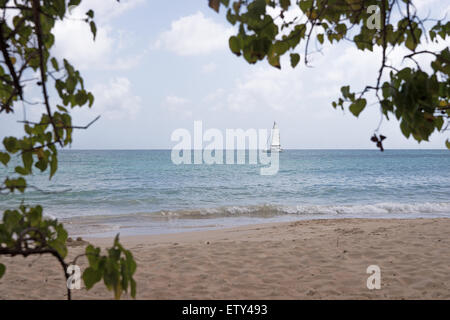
x: 275, y: 145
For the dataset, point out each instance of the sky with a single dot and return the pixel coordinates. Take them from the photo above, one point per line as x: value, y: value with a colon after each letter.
x: 157, y: 66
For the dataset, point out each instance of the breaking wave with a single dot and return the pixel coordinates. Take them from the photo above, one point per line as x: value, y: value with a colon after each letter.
x: 360, y: 210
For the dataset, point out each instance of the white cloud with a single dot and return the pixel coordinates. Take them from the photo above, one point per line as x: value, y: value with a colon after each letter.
x: 177, y: 105
x: 74, y: 41
x: 194, y: 35
x: 424, y: 4
x: 105, y: 10
x: 264, y: 87
x: 115, y: 99
x: 175, y: 101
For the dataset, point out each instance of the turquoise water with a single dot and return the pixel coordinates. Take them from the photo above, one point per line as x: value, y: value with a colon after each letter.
x: 142, y: 191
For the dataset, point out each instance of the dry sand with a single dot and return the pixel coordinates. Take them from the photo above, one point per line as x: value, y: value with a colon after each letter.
x: 319, y: 259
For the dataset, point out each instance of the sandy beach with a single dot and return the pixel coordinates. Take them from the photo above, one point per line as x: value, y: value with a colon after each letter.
x: 316, y: 259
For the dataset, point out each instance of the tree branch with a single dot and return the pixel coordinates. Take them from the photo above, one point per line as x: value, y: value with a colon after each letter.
x: 8, y: 62
x: 37, y: 21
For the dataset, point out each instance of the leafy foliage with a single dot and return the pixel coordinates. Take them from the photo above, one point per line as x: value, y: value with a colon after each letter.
x: 26, y: 40
x: 116, y: 269
x: 418, y: 99
x: 26, y: 230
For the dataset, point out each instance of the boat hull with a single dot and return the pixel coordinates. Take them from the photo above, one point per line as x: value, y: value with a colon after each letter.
x: 273, y: 150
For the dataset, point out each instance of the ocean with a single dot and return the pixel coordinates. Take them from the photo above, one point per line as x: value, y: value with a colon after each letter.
x: 103, y: 192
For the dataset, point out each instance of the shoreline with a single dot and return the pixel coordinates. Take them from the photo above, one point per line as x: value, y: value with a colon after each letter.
x: 220, y: 217
x: 218, y: 232
x: 306, y: 259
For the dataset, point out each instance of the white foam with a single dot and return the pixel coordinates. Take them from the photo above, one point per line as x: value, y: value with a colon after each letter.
x: 360, y: 210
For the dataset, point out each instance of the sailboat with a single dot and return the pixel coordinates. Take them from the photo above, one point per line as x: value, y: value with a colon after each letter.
x: 275, y: 145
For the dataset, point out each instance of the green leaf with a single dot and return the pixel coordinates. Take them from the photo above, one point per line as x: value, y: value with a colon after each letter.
x: 10, y: 144
x: 274, y: 60
x: 18, y: 183
x: 133, y: 286
x: 61, y: 108
x: 124, y: 274
x: 93, y: 255
x: 345, y: 90
x: 93, y: 28
x: 410, y: 43
x: 405, y: 129
x: 295, y: 58
x: 41, y: 164
x: 280, y: 47
x: 447, y: 143
x: 2, y: 270
x: 55, y: 64
x: 214, y: 4
x: 81, y: 97
x: 320, y: 38
x: 232, y: 18
x: 4, y: 158
x: 90, y: 99
x: 432, y: 35
x: 91, y: 277
x: 27, y: 159
x: 439, y: 122
x: 306, y: 5
x: 53, y: 165
x: 285, y: 4
x: 60, y: 6
x: 21, y: 170
x: 11, y: 220
x: 234, y: 45
x: 358, y: 106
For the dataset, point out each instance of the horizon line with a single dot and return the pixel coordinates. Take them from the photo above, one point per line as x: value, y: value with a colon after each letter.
x: 284, y: 149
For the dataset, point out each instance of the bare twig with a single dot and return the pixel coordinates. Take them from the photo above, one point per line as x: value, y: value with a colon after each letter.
x: 65, y: 127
